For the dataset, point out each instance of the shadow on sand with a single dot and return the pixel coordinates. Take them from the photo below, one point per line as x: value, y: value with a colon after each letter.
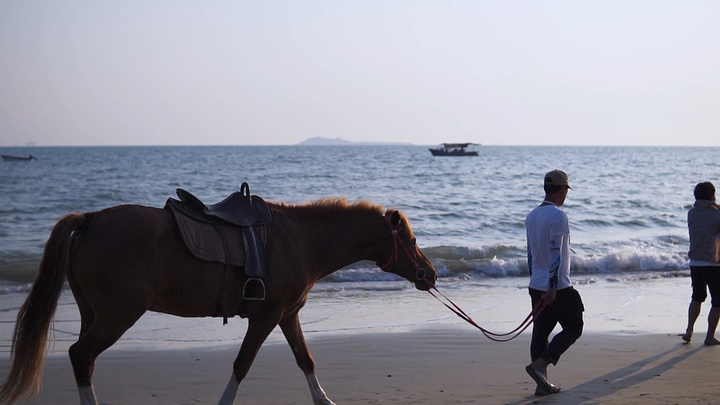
x: 615, y: 381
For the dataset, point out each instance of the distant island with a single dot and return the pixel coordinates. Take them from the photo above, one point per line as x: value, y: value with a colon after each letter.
x: 338, y: 141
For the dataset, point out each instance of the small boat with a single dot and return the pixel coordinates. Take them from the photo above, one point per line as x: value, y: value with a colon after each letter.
x: 454, y: 149
x: 11, y: 158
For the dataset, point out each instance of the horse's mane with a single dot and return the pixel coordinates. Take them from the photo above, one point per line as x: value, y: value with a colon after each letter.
x: 337, y: 205
x: 342, y: 204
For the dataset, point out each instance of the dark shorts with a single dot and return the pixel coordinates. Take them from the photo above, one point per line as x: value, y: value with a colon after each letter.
x: 705, y: 278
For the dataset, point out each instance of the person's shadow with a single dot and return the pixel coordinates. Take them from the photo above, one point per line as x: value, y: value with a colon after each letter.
x: 614, y: 381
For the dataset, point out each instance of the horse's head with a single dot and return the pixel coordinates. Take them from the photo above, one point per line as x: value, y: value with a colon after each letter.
x: 406, y: 259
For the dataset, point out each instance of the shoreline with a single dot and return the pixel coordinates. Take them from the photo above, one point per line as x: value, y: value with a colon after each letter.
x: 625, y: 306
x: 423, y: 366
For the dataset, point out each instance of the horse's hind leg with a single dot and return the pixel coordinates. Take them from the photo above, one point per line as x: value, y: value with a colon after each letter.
x: 293, y: 334
x: 87, y: 318
x: 99, y: 330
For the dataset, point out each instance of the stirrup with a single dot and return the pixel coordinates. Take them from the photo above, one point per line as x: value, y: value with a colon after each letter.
x: 254, y: 290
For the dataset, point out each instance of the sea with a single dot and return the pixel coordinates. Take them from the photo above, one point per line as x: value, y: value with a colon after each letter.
x: 627, y: 211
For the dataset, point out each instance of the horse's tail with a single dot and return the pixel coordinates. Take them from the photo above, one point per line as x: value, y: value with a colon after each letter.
x: 33, y: 320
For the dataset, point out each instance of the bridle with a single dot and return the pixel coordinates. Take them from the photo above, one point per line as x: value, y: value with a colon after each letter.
x: 421, y: 275
x: 397, y: 240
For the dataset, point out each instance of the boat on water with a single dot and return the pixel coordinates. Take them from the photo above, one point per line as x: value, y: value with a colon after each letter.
x: 454, y: 149
x: 12, y: 158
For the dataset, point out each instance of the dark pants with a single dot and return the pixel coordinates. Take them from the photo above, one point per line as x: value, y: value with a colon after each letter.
x: 704, y: 278
x: 566, y: 310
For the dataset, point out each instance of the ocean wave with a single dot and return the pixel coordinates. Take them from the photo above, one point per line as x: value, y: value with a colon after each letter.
x: 595, y: 222
x: 633, y: 223
x: 454, y: 263
x: 630, y: 259
x: 458, y: 263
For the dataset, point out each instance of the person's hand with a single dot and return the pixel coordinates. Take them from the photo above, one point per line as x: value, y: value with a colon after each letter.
x: 549, y: 296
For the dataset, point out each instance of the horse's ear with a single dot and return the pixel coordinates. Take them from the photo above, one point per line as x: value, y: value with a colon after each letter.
x: 395, y: 218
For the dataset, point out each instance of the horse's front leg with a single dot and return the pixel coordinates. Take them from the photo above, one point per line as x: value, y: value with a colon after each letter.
x: 258, y: 330
x: 293, y: 333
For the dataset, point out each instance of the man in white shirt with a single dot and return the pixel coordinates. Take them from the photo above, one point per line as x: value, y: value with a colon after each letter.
x: 548, y: 249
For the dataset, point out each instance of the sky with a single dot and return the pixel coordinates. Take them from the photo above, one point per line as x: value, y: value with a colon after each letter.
x: 568, y: 72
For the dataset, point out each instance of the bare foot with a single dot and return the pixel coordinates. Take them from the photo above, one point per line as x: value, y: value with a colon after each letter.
x: 712, y: 342
x: 687, y: 336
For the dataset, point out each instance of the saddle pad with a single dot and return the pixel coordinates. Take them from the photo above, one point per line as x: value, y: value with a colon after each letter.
x: 202, y: 239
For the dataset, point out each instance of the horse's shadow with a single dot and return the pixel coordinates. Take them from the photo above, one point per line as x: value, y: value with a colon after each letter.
x: 617, y: 380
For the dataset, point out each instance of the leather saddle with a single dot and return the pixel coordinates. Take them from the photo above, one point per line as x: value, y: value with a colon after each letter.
x: 239, y: 208
x: 231, y: 232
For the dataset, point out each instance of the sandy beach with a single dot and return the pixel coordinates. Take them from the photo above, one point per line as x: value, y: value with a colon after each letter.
x: 630, y: 353
x: 426, y: 366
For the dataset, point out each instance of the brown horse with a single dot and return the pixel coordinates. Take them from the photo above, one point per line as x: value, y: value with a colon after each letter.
x: 123, y: 261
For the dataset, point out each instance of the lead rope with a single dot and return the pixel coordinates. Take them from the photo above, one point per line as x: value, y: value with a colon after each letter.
x: 496, y: 337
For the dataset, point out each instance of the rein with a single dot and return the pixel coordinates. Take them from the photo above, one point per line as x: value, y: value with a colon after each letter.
x: 420, y: 275
x: 497, y: 337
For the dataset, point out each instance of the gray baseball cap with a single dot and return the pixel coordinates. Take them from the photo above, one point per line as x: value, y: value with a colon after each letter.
x: 557, y: 178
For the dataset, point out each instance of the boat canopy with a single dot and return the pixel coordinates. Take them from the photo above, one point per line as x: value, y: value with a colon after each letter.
x: 458, y: 145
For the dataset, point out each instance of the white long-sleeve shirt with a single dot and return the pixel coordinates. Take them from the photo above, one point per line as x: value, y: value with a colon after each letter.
x: 548, y: 247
